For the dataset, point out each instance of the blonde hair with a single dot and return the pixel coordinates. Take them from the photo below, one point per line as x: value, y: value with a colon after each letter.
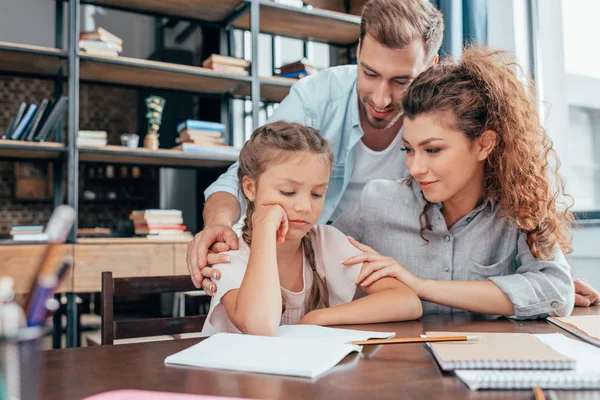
x: 483, y: 93
x: 270, y: 143
x: 395, y: 23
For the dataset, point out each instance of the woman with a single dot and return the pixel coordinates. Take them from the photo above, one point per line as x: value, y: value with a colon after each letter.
x: 478, y: 224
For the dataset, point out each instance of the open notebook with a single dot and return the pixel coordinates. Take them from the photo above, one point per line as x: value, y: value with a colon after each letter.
x: 585, y: 376
x: 297, y: 350
x: 498, y: 351
x: 586, y: 327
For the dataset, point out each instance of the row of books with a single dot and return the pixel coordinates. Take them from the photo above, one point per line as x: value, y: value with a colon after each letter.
x: 197, y: 136
x: 159, y: 224
x: 227, y: 65
x: 298, y: 69
x: 32, y: 122
x: 100, y: 42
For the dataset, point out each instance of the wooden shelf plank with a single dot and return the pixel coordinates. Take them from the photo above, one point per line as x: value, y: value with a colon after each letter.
x: 28, y: 59
x: 272, y: 88
x: 202, y: 10
x: 130, y: 240
x: 321, y: 25
x: 147, y: 73
x: 21, y: 262
x: 30, y: 150
x: 163, y: 158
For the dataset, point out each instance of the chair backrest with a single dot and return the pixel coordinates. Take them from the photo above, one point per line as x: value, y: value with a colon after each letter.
x: 116, y: 287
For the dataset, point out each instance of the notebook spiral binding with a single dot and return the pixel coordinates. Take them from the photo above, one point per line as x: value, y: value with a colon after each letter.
x: 508, y: 364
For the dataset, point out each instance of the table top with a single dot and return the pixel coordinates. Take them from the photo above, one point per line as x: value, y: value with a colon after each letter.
x: 392, y: 371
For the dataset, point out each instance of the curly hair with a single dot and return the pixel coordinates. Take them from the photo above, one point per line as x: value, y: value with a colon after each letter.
x: 521, y: 173
x: 271, y: 143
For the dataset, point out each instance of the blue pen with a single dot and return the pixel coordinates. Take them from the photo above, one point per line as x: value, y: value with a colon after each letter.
x: 44, y: 289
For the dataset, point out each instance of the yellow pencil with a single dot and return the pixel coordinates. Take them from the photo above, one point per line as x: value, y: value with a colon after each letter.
x: 418, y: 340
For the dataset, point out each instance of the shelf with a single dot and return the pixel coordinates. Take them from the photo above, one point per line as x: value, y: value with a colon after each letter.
x: 130, y: 240
x: 320, y: 25
x: 17, y: 149
x: 161, y: 158
x: 147, y: 73
x: 201, y: 10
x: 28, y: 59
x: 272, y: 88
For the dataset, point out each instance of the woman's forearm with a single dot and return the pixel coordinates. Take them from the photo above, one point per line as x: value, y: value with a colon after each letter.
x: 383, y: 306
x: 258, y: 304
x: 480, y: 296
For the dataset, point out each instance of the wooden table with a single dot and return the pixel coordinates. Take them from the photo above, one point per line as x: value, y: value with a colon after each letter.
x: 405, y: 371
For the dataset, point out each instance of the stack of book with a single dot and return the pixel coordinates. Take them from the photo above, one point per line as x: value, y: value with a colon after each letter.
x: 100, y: 42
x: 28, y: 233
x: 298, y: 69
x: 92, y: 138
x: 35, y: 123
x: 203, y: 136
x: 159, y: 224
x: 227, y: 65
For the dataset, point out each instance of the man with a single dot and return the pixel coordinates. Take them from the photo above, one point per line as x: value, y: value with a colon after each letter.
x: 356, y: 107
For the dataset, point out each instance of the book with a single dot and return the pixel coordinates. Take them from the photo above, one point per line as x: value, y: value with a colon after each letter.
x: 585, y: 376
x: 297, y: 74
x: 35, y: 122
x: 201, y: 142
x: 229, y: 69
x: 27, y: 116
x: 585, y: 327
x: 300, y: 65
x: 98, y: 44
x: 97, y: 51
x: 211, y: 149
x: 498, y: 351
x: 33, y: 237
x: 297, y: 350
x: 92, y: 134
x: 199, y: 133
x: 225, y: 60
x: 201, y: 125
x: 52, y: 120
x: 15, y: 121
x: 102, y: 35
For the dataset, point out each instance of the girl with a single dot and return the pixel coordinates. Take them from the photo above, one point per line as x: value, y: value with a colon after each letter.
x: 477, y: 225
x: 288, y: 270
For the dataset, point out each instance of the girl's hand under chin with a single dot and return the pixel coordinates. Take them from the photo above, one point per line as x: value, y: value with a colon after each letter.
x: 273, y: 218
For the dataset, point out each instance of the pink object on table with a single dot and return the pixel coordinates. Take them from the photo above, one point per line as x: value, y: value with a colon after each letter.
x: 151, y: 395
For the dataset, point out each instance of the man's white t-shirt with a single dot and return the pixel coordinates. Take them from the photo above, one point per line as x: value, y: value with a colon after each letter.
x: 369, y: 164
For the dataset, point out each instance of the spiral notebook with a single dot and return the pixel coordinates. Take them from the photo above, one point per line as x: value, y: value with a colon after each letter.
x: 585, y: 376
x: 585, y: 327
x: 498, y: 351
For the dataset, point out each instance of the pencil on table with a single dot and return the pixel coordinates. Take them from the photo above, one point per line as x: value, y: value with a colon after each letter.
x: 468, y: 338
x: 538, y: 393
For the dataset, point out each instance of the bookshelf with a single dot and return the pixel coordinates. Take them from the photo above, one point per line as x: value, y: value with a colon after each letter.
x: 70, y: 66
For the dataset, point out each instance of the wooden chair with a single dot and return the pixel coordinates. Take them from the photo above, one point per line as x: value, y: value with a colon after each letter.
x: 114, y: 287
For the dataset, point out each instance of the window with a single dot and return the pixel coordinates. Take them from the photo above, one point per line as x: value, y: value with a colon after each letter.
x: 568, y: 79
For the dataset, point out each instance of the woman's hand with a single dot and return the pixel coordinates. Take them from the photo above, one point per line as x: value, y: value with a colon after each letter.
x: 375, y: 266
x: 273, y: 218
